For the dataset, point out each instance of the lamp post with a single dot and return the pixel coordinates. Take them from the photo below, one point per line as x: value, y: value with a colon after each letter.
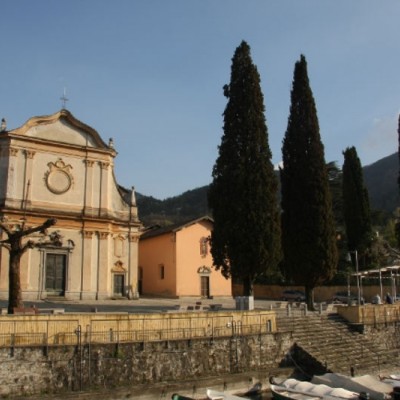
x: 358, y: 278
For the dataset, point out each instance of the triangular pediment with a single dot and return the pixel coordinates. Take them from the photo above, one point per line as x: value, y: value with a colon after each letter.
x: 61, y: 127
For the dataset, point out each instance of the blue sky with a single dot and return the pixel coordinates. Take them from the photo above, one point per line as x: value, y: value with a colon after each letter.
x: 149, y: 74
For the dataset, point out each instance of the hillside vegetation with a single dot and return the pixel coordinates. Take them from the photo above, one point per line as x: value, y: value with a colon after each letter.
x: 379, y: 177
x: 381, y: 181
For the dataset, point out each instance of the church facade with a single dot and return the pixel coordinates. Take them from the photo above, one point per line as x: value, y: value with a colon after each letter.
x: 58, y: 167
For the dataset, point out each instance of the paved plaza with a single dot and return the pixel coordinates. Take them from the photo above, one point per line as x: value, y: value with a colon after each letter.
x: 141, y: 305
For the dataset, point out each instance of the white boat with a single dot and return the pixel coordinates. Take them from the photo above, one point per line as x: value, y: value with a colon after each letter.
x: 377, y: 389
x: 215, y: 395
x: 293, y: 389
x: 393, y: 380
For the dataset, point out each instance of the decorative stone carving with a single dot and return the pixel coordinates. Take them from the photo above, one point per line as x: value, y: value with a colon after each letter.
x: 104, y: 165
x: 103, y: 235
x: 133, y: 238
x: 119, y: 267
x: 87, y: 234
x: 203, y: 270
x: 29, y: 153
x: 13, y: 152
x: 58, y: 178
x: 89, y: 163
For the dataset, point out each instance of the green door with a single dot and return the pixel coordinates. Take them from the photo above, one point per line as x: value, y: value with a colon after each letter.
x: 55, y: 274
x: 205, y: 286
x: 119, y: 284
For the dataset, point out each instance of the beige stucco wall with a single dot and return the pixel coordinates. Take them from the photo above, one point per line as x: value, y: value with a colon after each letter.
x: 57, y: 167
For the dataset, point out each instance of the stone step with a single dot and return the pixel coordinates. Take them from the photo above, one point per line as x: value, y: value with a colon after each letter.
x: 332, y: 342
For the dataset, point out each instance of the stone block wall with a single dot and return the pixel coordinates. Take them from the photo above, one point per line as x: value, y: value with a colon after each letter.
x: 57, y: 369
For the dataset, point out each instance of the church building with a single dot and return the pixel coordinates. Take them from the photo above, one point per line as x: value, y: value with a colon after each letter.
x: 175, y: 261
x: 58, y: 167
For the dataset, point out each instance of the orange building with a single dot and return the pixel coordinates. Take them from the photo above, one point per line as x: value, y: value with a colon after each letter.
x: 175, y: 261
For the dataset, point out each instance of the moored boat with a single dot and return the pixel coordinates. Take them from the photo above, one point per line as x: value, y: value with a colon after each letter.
x: 376, y: 389
x: 293, y: 389
x: 393, y: 380
x: 215, y: 395
x: 177, y: 396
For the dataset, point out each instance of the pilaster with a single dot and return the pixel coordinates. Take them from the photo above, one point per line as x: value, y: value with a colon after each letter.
x: 88, y: 206
x: 103, y: 279
x: 87, y: 265
x: 104, y: 203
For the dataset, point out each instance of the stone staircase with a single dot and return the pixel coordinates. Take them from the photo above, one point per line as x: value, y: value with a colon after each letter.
x: 325, y: 342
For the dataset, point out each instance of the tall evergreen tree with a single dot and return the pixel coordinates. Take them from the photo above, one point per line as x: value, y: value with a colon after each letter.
x: 356, y: 209
x: 335, y: 185
x: 308, y: 229
x: 245, y: 242
x: 397, y: 226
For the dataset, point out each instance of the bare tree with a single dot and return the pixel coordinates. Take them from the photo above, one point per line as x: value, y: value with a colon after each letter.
x: 16, y: 248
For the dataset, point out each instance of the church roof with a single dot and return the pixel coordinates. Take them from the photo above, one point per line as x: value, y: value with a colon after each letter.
x: 35, y: 127
x: 157, y: 230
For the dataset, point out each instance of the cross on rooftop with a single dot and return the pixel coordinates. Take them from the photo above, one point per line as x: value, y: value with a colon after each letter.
x: 64, y: 100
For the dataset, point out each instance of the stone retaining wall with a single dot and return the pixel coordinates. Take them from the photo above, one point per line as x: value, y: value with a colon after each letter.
x: 57, y: 369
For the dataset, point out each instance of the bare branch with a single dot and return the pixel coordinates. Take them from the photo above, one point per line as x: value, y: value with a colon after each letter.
x: 41, y: 228
x: 5, y: 228
x: 30, y: 244
x: 5, y: 245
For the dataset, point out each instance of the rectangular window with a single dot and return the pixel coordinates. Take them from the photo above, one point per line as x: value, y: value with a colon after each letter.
x: 203, y: 247
x: 162, y: 271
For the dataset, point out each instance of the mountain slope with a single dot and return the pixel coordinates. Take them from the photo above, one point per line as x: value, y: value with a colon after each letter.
x: 189, y: 205
x: 380, y: 179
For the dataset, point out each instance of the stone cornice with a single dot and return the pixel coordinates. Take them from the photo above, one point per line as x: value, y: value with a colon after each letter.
x: 62, y: 115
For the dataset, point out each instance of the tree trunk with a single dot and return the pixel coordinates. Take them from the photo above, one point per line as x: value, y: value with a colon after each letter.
x: 248, y: 287
x: 310, y: 298
x: 14, y: 291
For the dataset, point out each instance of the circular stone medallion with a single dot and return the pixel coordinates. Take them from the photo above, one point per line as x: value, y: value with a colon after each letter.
x: 58, y: 182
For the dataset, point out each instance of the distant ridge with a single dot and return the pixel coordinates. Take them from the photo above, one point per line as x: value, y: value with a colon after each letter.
x: 189, y: 205
x: 380, y: 179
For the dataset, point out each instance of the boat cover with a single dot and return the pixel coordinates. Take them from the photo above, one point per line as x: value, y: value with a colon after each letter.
x: 318, y: 389
x: 392, y: 380
x: 366, y: 383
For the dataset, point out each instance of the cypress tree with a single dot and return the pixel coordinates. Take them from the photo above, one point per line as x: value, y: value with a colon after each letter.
x: 308, y: 229
x: 335, y: 185
x: 397, y: 226
x: 356, y: 209
x: 245, y: 242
